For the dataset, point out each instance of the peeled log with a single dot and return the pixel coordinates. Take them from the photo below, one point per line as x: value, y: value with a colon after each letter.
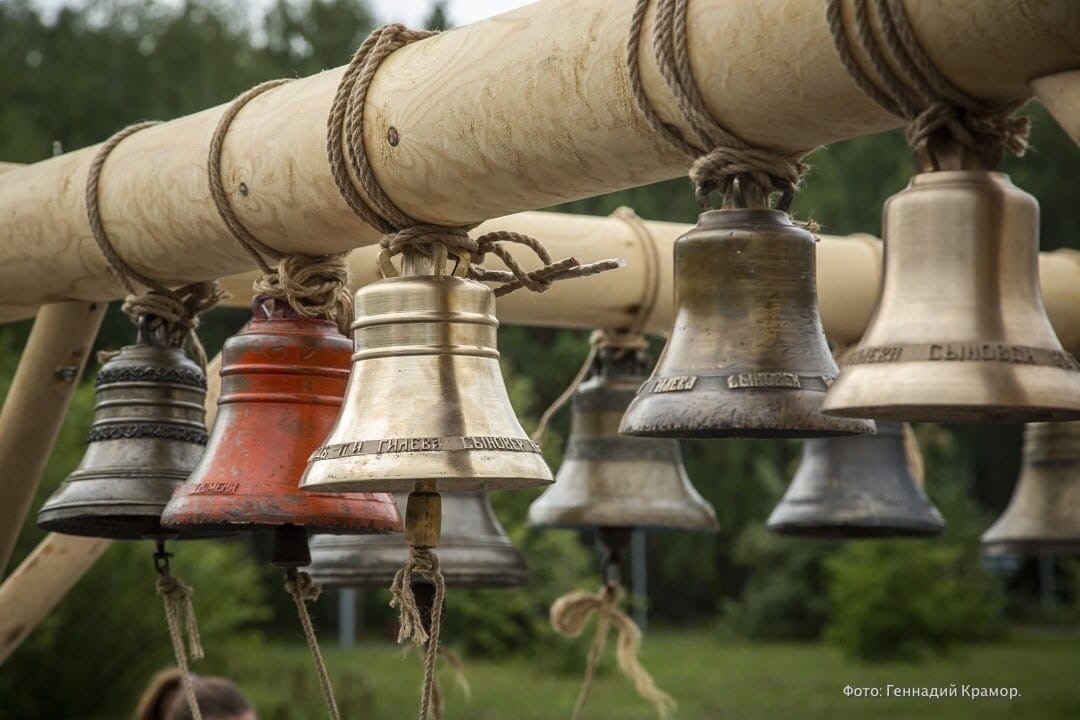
x: 520, y: 111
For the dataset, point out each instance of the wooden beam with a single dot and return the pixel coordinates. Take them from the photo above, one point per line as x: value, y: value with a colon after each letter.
x: 1060, y: 94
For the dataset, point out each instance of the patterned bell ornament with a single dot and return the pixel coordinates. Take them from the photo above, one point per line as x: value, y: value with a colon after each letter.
x: 1043, y: 516
x: 147, y: 436
x: 426, y: 409
x: 609, y: 480
x: 475, y: 550
x: 960, y: 333
x: 858, y: 487
x: 282, y: 380
x: 747, y: 356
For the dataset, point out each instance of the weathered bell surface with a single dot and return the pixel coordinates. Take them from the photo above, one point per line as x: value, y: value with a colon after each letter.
x: 858, y: 487
x: 148, y: 434
x: 282, y: 380
x: 426, y: 408
x: 1043, y: 516
x: 960, y: 333
x: 609, y: 480
x: 747, y: 356
x: 475, y: 550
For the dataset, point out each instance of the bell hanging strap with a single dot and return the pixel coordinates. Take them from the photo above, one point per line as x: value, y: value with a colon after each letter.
x: 180, y: 616
x: 303, y: 589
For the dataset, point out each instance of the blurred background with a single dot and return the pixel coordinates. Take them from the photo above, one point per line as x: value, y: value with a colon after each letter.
x: 742, y: 624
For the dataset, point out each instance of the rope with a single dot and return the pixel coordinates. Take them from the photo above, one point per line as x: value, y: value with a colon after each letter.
x: 652, y: 267
x: 457, y: 667
x: 569, y: 616
x: 424, y: 562
x: 401, y: 232
x: 913, y: 88
x: 745, y: 176
x: 313, y: 286
x: 303, y: 590
x: 172, y: 313
x: 180, y: 617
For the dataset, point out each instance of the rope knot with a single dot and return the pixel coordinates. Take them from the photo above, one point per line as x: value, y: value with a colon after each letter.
x: 423, y: 562
x: 303, y: 586
x: 314, y: 287
x: 180, y: 615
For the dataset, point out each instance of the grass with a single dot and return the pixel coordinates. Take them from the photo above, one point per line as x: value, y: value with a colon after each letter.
x: 712, y: 680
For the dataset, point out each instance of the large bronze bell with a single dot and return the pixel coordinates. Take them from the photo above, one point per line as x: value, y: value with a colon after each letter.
x: 1043, y: 516
x: 426, y: 409
x: 475, y: 551
x: 282, y: 380
x: 960, y: 333
x: 747, y: 356
x: 858, y: 487
x: 608, y: 480
x: 148, y: 434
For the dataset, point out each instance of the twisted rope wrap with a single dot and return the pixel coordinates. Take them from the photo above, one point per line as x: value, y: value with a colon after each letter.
x: 315, y: 287
x: 303, y: 590
x: 569, y: 616
x: 424, y: 562
x: 172, y: 313
x: 180, y: 616
x: 913, y: 88
x: 743, y: 175
x: 345, y: 149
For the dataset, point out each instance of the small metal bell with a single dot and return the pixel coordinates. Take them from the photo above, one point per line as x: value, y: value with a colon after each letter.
x: 475, y: 551
x: 148, y: 434
x: 282, y: 380
x: 960, y: 333
x: 426, y: 408
x: 1043, y: 516
x: 858, y: 487
x: 747, y: 356
x: 608, y: 480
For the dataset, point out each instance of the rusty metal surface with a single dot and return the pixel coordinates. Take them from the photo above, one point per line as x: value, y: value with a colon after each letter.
x: 856, y: 487
x: 747, y: 356
x: 282, y: 380
x: 960, y: 333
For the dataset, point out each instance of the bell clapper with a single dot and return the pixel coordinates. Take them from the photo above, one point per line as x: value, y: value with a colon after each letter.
x: 614, y: 543
x: 423, y: 520
x: 290, y: 549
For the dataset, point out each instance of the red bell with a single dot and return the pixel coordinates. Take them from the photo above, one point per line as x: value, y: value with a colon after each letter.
x: 282, y: 381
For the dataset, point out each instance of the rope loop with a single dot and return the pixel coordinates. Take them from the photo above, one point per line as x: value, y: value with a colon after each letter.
x: 424, y: 562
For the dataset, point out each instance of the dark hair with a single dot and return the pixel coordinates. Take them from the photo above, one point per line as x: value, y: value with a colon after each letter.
x: 164, y: 698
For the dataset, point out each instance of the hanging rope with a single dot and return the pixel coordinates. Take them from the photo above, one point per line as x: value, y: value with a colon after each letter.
x: 313, y: 286
x: 345, y: 149
x: 569, y: 616
x: 303, y: 590
x: 909, y: 85
x: 180, y: 616
x: 423, y: 562
x: 451, y: 661
x: 745, y: 176
x: 174, y: 314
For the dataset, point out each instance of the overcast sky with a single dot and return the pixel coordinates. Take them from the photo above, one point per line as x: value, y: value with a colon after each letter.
x: 410, y: 12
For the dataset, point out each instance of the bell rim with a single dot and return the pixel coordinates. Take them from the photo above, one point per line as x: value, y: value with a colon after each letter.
x: 853, y: 530
x: 435, y: 484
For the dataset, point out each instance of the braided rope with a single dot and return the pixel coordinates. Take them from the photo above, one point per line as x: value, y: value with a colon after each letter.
x: 424, y: 562
x: 303, y: 590
x: 180, y: 618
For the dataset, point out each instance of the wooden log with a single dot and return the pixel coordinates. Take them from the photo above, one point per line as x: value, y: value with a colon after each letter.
x: 849, y: 275
x: 41, y: 391
x: 517, y: 112
x: 1060, y: 94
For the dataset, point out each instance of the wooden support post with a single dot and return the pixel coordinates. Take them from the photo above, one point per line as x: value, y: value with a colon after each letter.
x: 44, y: 383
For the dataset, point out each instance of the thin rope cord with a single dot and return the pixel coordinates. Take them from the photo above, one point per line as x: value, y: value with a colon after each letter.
x: 313, y: 286
x: 180, y: 618
x: 303, y: 589
x: 652, y: 267
x: 424, y: 562
x: 402, y: 233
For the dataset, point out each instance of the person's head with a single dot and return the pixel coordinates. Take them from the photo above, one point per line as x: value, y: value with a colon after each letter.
x: 218, y: 699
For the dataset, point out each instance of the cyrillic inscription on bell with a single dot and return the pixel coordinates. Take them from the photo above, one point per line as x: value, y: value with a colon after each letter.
x: 608, y: 480
x: 426, y: 408
x: 747, y: 356
x: 960, y: 333
x: 282, y: 380
x: 147, y: 436
x: 474, y: 551
x: 856, y: 487
x: 1043, y: 516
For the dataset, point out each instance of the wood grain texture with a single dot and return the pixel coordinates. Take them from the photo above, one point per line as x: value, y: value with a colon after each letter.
x: 1060, y: 94
x: 516, y: 112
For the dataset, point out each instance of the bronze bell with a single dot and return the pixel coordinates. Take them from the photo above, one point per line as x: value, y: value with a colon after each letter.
x: 426, y: 409
x: 608, y: 480
x: 147, y: 436
x: 1043, y: 516
x: 960, y: 333
x: 747, y: 356
x: 858, y: 487
x: 475, y: 550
